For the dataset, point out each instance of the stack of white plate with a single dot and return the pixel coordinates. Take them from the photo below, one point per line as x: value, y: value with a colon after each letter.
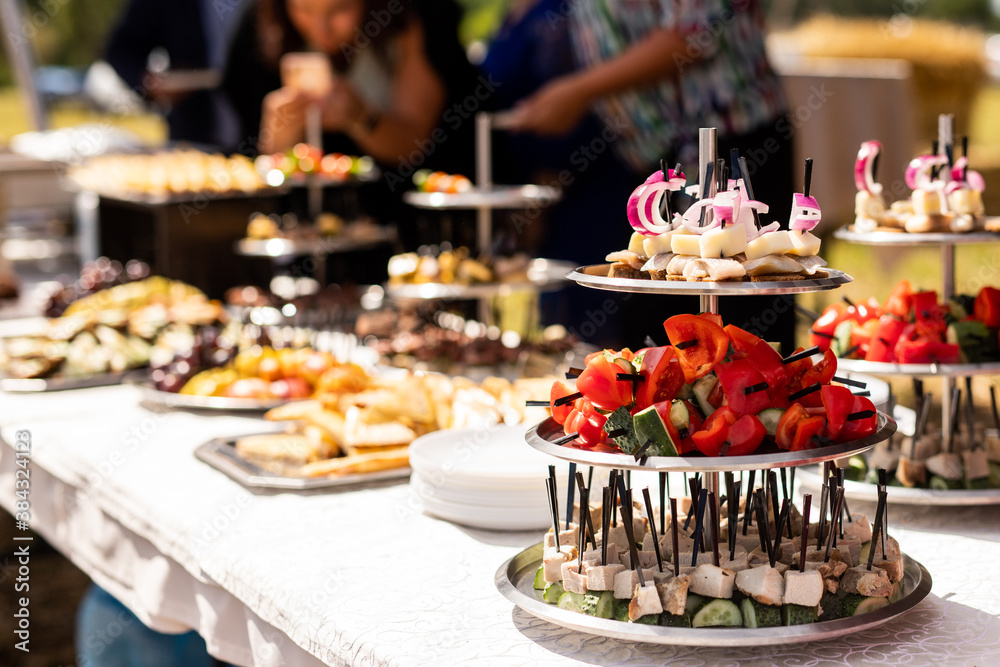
x: 484, y: 478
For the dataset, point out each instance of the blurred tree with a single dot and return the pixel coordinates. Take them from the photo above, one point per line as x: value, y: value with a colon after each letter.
x: 962, y: 11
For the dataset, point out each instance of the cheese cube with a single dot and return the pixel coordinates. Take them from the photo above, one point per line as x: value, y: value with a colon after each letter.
x: 685, y: 244
x: 723, y: 242
x: 772, y: 243
x: 926, y: 202
x: 803, y: 243
x: 662, y: 243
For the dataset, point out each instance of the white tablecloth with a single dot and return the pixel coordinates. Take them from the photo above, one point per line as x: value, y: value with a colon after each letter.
x: 363, y: 577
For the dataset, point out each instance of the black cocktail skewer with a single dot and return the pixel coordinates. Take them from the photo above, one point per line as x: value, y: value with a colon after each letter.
x: 652, y: 527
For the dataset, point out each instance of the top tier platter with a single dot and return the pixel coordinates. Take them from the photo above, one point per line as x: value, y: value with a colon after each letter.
x: 596, y: 276
x: 901, y: 238
x: 496, y: 196
x: 542, y: 435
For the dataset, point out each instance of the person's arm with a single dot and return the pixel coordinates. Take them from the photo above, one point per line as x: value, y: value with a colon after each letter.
x: 559, y: 105
x: 418, y: 100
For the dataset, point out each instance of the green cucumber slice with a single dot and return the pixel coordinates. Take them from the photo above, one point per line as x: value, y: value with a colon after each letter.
x: 621, y: 420
x: 770, y: 418
x: 553, y: 592
x: 870, y: 604
x: 759, y: 615
x: 675, y: 621
x: 702, y: 388
x: 694, y: 603
x: 600, y: 604
x: 571, y: 602
x: 540, y: 579
x: 649, y: 426
x: 796, y: 614
x: 718, y: 613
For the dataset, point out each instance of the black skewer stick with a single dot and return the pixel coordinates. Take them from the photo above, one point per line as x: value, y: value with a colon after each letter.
x: 713, y: 508
x: 665, y: 201
x: 875, y: 166
x: 585, y: 519
x: 877, y: 528
x: 762, y: 527
x: 862, y: 414
x: 734, y: 162
x: 590, y: 477
x: 883, y: 476
x: 649, y: 342
x: 848, y: 301
x: 693, y: 486
x: 745, y: 176
x: 847, y: 511
x: 956, y: 400
x: 970, y: 413
x: 791, y: 481
x: 730, y: 499
x: 754, y: 388
x: 628, y: 478
x: 821, y: 524
x: 850, y: 382
x: 605, y: 523
x: 537, y: 404
x: 631, y: 377
x: 685, y: 344
x: 804, y: 354
x: 849, y: 351
x: 639, y: 453
x: 652, y: 527
x: 935, y: 150
x: 772, y: 490
x: 570, y: 493
x: 783, y: 519
x: 617, y: 433
x: 721, y: 172
x: 674, y: 537
x: 613, y: 483
x: 950, y: 154
x: 809, y: 177
x: 705, y: 189
x: 805, y: 391
x: 699, y: 525
x: 748, y: 507
x: 664, y: 481
x: 806, y: 506
x: 566, y: 439
x: 626, y: 502
x: 554, y: 510
x: 566, y: 400
x: 784, y: 484
x: 734, y: 518
x: 993, y: 407
x: 833, y: 528
x: 865, y: 393
x: 811, y: 315
x: 584, y: 501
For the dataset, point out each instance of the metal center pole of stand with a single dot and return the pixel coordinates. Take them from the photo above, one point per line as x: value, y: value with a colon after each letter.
x: 948, y: 383
x: 484, y: 213
x: 314, y: 137
x: 709, y: 303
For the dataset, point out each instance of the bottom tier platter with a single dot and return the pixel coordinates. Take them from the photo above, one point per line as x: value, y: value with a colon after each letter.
x: 515, y: 580
x: 863, y: 491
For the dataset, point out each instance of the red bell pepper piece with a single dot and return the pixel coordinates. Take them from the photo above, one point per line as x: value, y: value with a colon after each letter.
x: 821, y: 334
x: 822, y: 372
x: 736, y: 377
x: 884, y: 341
x: 663, y: 377
x: 929, y: 315
x: 712, y: 317
x: 807, y: 429
x: 745, y: 436
x: 861, y: 338
x: 795, y: 370
x: 857, y: 428
x: 742, y: 341
x: 768, y: 363
x: 600, y: 385
x: 915, y: 348
x: 898, y: 302
x: 838, y: 403
x: 587, y: 422
x: 715, y: 431
x: 784, y: 435
x: 862, y: 312
x: 986, y: 308
x: 699, y: 343
x: 560, y: 412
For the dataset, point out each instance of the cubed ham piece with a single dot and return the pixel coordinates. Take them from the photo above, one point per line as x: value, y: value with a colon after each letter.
x: 573, y: 581
x: 763, y: 583
x: 673, y: 594
x: 645, y: 601
x: 861, y: 580
x: 553, y: 560
x: 625, y: 583
x: 602, y: 577
x: 803, y: 588
x: 859, y: 528
x: 712, y: 581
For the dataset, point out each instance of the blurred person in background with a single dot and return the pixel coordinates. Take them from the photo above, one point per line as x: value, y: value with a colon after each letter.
x: 153, y: 40
x: 396, y: 66
x: 654, y: 72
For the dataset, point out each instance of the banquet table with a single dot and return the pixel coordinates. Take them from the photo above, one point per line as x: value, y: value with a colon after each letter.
x: 361, y: 576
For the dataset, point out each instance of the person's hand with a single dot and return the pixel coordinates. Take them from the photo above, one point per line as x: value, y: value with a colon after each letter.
x: 342, y: 108
x: 283, y: 119
x: 554, y: 109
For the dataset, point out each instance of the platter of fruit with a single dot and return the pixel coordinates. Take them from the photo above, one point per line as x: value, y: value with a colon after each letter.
x: 303, y: 163
x: 711, y: 238
x: 102, y: 336
x: 717, y: 398
x: 441, y: 190
x: 454, y: 273
x: 914, y: 333
x: 214, y: 373
x: 750, y: 570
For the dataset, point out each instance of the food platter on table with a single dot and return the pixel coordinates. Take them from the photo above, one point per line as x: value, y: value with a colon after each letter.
x: 220, y: 453
x: 596, y: 276
x: 901, y: 495
x: 543, y: 437
x: 901, y: 238
x: 496, y: 196
x: 516, y: 576
x: 540, y: 275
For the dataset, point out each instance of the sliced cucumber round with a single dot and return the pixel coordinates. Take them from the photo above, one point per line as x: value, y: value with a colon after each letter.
x: 572, y: 602
x: 758, y: 615
x: 694, y: 603
x: 870, y: 604
x: 540, y: 579
x: 553, y: 592
x: 675, y: 620
x: 718, y: 613
x: 796, y: 614
x: 600, y: 604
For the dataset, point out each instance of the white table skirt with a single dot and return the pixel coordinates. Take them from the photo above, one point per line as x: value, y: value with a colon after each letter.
x: 362, y: 577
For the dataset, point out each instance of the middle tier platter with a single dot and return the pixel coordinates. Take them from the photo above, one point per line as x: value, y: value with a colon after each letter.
x: 917, y: 370
x: 596, y: 276
x: 543, y: 437
x: 540, y: 275
x: 494, y: 196
x: 901, y: 238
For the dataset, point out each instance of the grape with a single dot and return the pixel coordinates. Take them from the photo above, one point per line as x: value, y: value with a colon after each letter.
x: 172, y: 383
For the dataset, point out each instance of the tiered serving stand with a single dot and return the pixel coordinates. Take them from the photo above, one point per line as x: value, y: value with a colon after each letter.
x: 514, y: 579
